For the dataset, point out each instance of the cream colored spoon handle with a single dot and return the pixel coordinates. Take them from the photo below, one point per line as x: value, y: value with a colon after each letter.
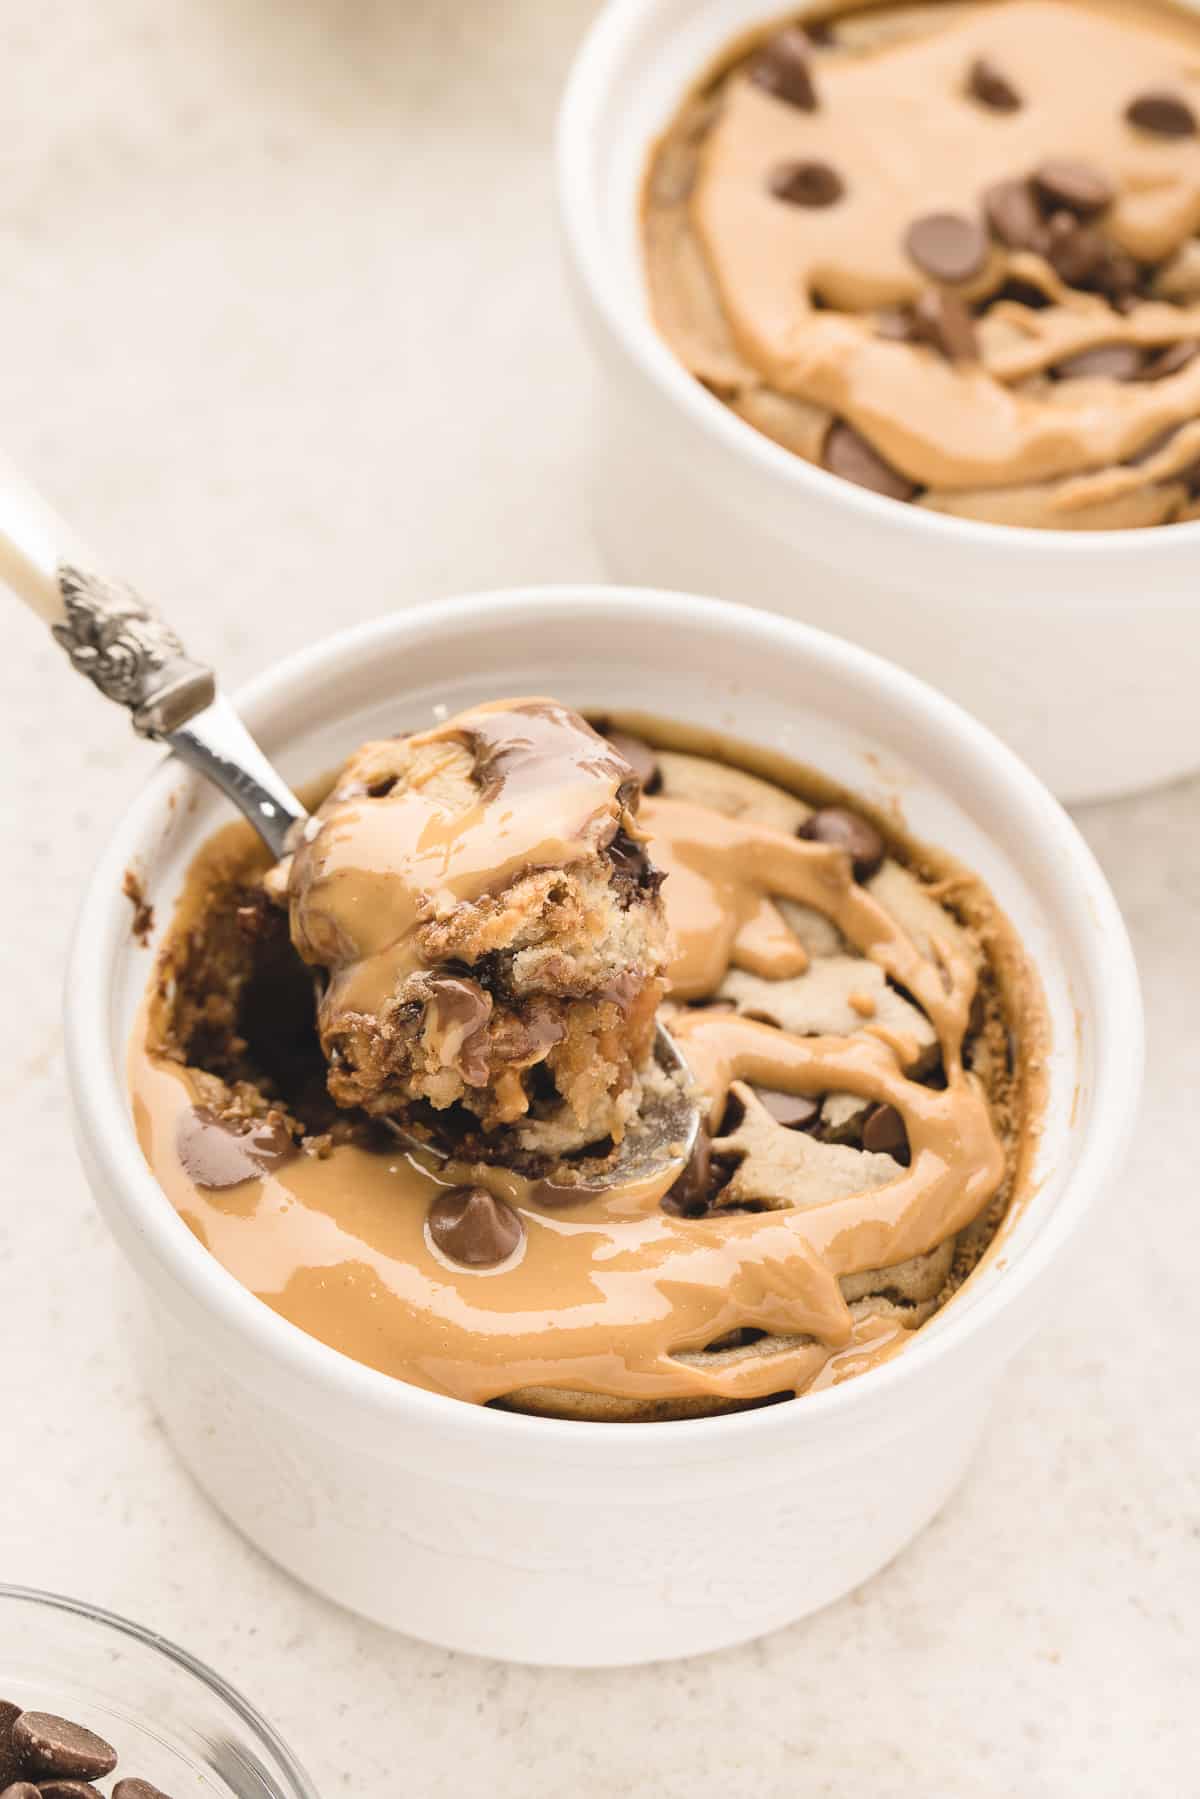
x: 130, y: 653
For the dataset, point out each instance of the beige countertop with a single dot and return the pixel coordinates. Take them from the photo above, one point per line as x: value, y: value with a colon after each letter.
x: 284, y: 331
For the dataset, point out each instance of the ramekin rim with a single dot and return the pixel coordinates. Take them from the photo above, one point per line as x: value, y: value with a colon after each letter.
x: 100, y: 1098
x: 577, y: 138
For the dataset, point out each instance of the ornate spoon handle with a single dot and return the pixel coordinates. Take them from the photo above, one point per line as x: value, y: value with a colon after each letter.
x: 129, y: 652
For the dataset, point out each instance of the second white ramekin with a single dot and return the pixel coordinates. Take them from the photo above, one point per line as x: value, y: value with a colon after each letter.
x: 1079, y: 649
x: 543, y: 1540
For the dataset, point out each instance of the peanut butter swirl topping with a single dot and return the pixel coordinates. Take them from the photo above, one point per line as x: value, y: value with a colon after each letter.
x: 958, y: 263
x: 800, y: 993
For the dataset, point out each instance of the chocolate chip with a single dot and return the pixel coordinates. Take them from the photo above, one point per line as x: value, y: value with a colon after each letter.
x: 1078, y: 186
x: 473, y: 1227
x: 51, y: 1748
x: 883, y: 1133
x: 1077, y: 252
x: 137, y: 1789
x: 1113, y: 362
x: 1162, y: 114
x: 219, y: 1153
x: 10, y: 1760
x: 944, y: 321
x: 948, y: 246
x: 689, y: 1196
x: 68, y: 1789
x: 1170, y: 361
x: 846, y: 830
x: 806, y: 183
x: 795, y: 1111
x: 895, y: 323
x: 783, y: 68
x: 991, y: 87
x: 640, y: 757
x: 851, y: 456
x: 1012, y: 211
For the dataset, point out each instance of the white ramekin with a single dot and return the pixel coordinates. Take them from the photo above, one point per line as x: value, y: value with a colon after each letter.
x: 1079, y: 649
x: 543, y: 1540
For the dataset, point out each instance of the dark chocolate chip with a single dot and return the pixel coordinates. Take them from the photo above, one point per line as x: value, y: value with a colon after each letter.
x: 1170, y: 361
x: 944, y: 321
x: 783, y: 68
x: 689, y: 1196
x: 1162, y: 114
x: 988, y: 84
x: 846, y: 830
x: 1077, y: 252
x: 795, y: 1111
x: 806, y: 183
x: 68, y: 1789
x: 883, y: 1133
x: 54, y: 1748
x: 852, y: 457
x: 218, y: 1152
x: 947, y: 246
x: 1113, y: 362
x: 473, y: 1227
x: 137, y: 1789
x: 1080, y: 188
x: 10, y: 1759
x: 1013, y: 213
x: 640, y: 757
x: 897, y: 324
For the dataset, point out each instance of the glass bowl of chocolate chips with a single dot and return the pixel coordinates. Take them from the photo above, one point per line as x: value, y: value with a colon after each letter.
x: 94, y: 1707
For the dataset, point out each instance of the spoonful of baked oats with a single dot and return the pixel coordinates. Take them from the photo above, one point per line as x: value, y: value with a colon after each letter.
x: 475, y: 899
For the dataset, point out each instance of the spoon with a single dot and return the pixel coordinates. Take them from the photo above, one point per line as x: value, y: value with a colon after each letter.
x: 131, y: 655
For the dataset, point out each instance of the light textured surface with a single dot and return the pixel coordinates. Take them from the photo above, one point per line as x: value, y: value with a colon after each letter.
x: 285, y: 333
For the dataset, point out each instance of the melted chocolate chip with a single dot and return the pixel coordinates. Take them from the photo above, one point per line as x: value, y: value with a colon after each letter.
x: 460, y: 1006
x: 1112, y: 362
x: 783, y: 68
x: 884, y: 1134
x: 845, y: 830
x: 1078, y: 187
x: 54, y: 1748
x: 632, y: 865
x: 852, y: 457
x: 474, y: 1228
x: 944, y: 321
x: 219, y: 1153
x: 987, y: 83
x: 1162, y: 114
x: 689, y: 1197
x: 947, y: 246
x: 794, y: 1111
x: 640, y: 757
x: 806, y: 183
x: 1012, y: 211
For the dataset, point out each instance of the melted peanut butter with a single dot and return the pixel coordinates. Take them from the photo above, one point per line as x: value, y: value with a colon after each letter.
x: 775, y: 305
x: 377, y: 863
x: 613, y: 1295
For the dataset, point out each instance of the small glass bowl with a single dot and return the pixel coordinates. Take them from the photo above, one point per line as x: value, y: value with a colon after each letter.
x: 172, y: 1721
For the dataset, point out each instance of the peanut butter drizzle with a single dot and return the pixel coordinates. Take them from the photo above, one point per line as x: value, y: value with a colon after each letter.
x: 374, y: 867
x: 609, y: 1296
x: 796, y: 287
